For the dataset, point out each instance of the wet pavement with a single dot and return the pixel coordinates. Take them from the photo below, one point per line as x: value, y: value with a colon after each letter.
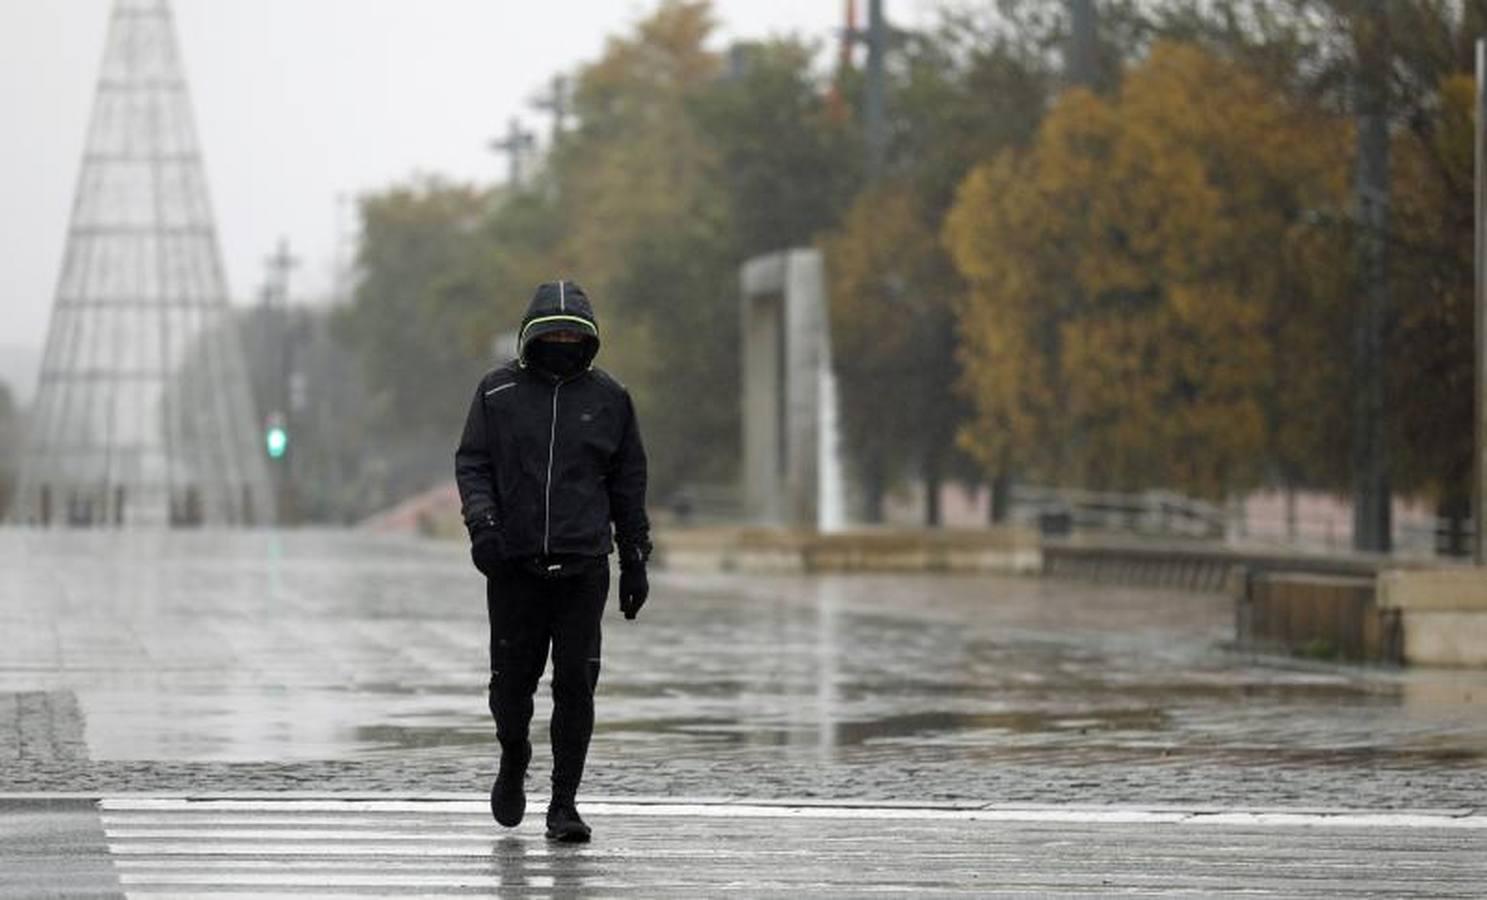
x: 160, y: 847
x: 338, y: 661
x: 163, y: 847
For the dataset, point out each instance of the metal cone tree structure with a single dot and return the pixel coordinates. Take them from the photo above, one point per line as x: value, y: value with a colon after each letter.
x: 143, y: 415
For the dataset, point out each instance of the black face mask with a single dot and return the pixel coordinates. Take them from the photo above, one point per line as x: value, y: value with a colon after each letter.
x: 557, y: 358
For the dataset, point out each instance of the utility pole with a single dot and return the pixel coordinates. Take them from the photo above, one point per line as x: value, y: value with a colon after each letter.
x: 343, y: 251
x: 849, y: 37
x: 1081, y: 70
x: 1081, y: 65
x: 280, y: 265
x: 1479, y: 458
x: 1372, y: 524
x: 875, y: 137
x: 557, y: 101
x: 874, y: 102
x: 847, y: 41
x: 515, y: 145
x: 875, y: 115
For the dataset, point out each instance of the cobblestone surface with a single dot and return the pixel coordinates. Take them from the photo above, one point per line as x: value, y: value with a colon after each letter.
x: 1175, y: 782
x: 336, y: 661
x: 41, y: 726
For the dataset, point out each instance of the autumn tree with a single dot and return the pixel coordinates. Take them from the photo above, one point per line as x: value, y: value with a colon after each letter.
x: 892, y: 341
x: 958, y: 94
x: 1139, y: 299
x: 1134, y: 287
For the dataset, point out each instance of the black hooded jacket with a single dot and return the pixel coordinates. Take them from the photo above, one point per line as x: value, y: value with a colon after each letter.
x: 554, y: 460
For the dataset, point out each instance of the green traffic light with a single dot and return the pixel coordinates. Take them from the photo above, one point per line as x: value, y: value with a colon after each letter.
x: 277, y: 441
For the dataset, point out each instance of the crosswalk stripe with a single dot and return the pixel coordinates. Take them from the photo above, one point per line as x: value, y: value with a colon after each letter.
x: 245, y: 894
x: 296, y: 834
x: 309, y: 820
x: 180, y: 804
x: 474, y: 849
x: 378, y: 880
x: 478, y: 810
x: 181, y: 846
x: 290, y: 865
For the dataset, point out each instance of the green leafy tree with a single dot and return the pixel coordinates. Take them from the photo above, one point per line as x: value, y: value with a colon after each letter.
x: 675, y: 172
x: 788, y: 164
x: 10, y: 447
x: 1433, y: 361
x: 417, y: 361
x: 682, y: 168
x: 646, y: 230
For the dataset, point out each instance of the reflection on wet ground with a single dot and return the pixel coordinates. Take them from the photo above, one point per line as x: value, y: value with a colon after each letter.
x: 335, y: 646
x: 852, y: 667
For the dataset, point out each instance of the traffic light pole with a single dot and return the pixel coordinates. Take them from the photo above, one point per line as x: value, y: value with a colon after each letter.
x: 278, y: 435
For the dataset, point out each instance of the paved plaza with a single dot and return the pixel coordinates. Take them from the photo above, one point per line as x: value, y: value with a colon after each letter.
x: 834, y: 734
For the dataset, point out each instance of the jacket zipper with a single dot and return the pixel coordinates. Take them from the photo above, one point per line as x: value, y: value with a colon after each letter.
x: 552, y: 436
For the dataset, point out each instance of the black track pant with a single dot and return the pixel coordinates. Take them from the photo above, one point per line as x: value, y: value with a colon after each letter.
x: 529, y: 611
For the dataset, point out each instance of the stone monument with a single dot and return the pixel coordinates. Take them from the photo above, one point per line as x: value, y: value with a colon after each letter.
x: 791, y: 472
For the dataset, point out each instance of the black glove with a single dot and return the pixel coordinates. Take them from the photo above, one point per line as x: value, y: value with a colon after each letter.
x: 634, y: 588
x: 486, y: 545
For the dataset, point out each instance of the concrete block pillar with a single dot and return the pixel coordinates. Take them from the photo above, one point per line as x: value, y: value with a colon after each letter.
x: 784, y: 345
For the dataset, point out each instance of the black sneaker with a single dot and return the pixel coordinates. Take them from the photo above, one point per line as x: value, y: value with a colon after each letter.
x: 564, y: 825
x: 508, y: 795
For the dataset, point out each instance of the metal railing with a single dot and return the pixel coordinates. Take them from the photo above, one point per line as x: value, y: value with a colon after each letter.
x: 1057, y: 511
x: 706, y: 503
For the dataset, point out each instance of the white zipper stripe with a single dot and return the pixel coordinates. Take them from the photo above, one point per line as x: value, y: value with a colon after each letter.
x: 552, y: 436
x: 562, y: 297
x: 500, y: 388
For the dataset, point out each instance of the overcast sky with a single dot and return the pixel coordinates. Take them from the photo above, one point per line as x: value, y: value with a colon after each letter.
x: 301, y: 101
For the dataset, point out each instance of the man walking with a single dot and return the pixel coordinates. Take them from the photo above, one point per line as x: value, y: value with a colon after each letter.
x: 550, y: 457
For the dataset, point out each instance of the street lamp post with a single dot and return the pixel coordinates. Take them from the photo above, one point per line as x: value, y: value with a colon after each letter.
x: 1372, y: 526
x: 1479, y: 457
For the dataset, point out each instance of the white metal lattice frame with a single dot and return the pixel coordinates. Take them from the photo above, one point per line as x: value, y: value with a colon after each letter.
x: 143, y: 414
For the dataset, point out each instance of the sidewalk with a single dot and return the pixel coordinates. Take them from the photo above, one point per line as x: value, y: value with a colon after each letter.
x: 368, y: 845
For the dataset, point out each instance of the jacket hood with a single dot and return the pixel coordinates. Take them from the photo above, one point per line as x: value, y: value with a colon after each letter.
x: 559, y: 306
